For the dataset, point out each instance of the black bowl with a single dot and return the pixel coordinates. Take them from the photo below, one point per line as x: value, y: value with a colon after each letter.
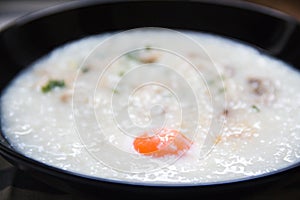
x: 34, y: 35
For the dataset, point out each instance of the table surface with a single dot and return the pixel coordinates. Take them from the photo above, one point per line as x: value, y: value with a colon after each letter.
x: 290, y: 7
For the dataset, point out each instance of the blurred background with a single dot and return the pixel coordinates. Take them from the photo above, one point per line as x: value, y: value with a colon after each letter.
x: 11, y: 9
x: 291, y: 7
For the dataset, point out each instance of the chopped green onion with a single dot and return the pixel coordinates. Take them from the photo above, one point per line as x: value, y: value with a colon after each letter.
x: 132, y: 56
x: 53, y: 84
x: 222, y: 90
x: 148, y: 47
x: 254, y: 107
x: 115, y: 91
x: 85, y: 69
x: 121, y: 73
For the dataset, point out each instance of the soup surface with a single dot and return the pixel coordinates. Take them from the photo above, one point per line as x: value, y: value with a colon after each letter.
x: 156, y: 106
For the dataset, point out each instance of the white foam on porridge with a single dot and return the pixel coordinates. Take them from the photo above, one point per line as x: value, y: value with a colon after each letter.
x: 261, y: 132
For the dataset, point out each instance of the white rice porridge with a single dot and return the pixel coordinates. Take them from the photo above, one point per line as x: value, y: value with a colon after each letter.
x: 67, y: 111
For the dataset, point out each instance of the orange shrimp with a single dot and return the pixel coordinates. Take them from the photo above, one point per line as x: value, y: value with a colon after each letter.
x: 163, y: 142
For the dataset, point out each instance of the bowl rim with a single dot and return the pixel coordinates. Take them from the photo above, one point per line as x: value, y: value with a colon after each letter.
x: 18, y: 158
x: 64, y: 6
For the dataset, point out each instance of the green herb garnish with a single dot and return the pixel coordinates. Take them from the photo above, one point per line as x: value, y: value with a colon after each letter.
x: 254, y: 107
x: 85, y: 69
x: 222, y: 90
x: 148, y: 47
x: 115, y: 91
x: 132, y: 56
x: 121, y: 73
x: 53, y: 84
